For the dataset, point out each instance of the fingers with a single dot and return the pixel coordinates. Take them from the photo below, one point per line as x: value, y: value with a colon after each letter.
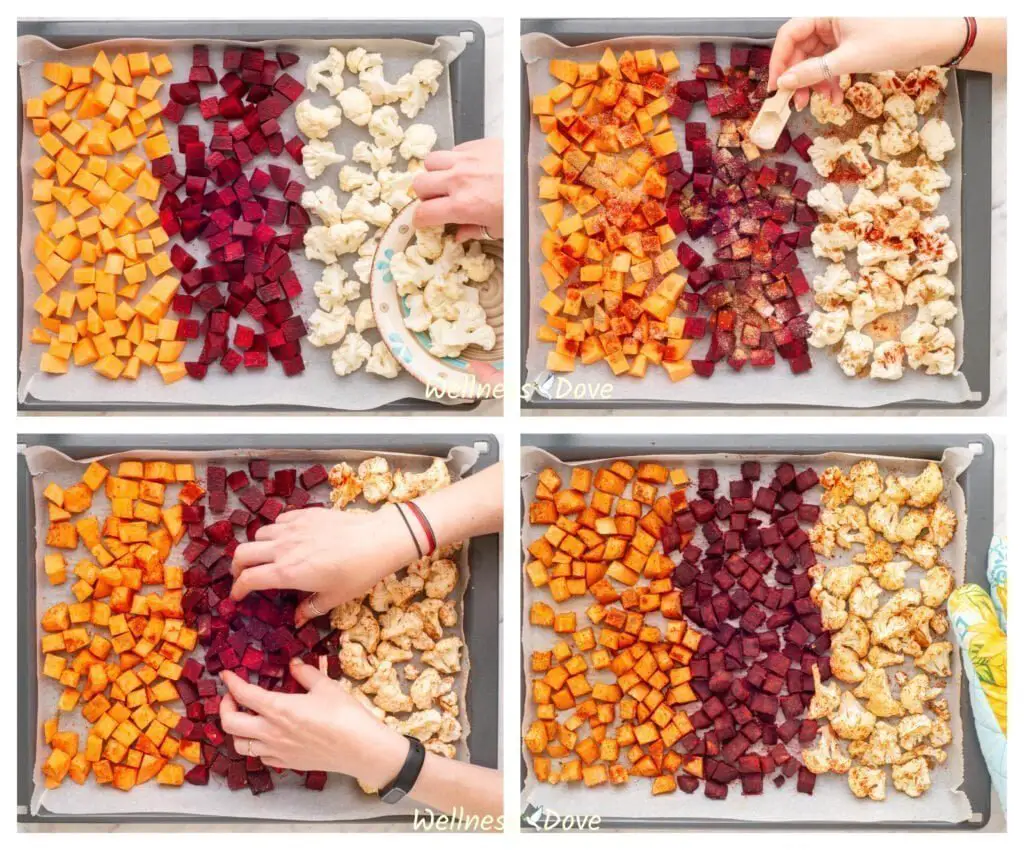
x: 273, y: 762
x: 811, y: 71
x: 252, y: 747
x: 264, y: 577
x: 252, y: 555
x: 440, y: 160
x: 307, y: 675
x: 430, y: 184
x: 434, y: 212
x: 786, y: 40
x: 270, y: 532
x: 238, y: 723
x: 251, y: 696
x: 313, y: 606
x: 466, y: 232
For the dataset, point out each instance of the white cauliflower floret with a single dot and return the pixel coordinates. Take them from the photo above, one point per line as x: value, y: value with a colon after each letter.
x: 900, y: 108
x: 879, y: 295
x: 356, y: 106
x: 445, y: 656
x: 420, y: 724
x: 364, y: 319
x: 854, y: 636
x: 845, y: 664
x: 476, y: 264
x: 851, y: 721
x: 917, y: 691
x: 359, y: 208
x: 827, y: 201
x: 826, y: 112
x: 941, y: 525
x: 912, y: 778
x: 828, y: 328
x: 376, y: 479
x: 831, y: 240
x: 430, y: 242
x: 355, y: 663
x: 329, y: 72
x: 866, y: 99
x: 866, y: 482
x: 419, y: 317
x: 834, y: 287
x: 924, y: 488
x: 317, y: 156
x: 855, y: 353
x: 428, y: 687
x: 316, y: 123
x: 418, y: 85
x: 410, y: 271
x: 334, y: 289
x: 351, y: 179
x: 449, y: 338
x: 419, y: 140
x: 444, y: 294
x: 887, y: 363
x: 326, y: 244
x: 358, y: 60
x: 377, y: 158
x: 865, y: 598
x: 363, y: 267
x: 385, y: 129
x: 328, y: 328
x: 936, y: 312
x: 825, y: 699
x: 350, y: 355
x: 936, y: 659
x: 936, y: 140
x: 827, y: 755
x: 928, y: 288
x: 410, y: 485
x: 873, y: 253
x: 396, y: 187
x: 895, y: 140
x: 929, y: 347
x: 881, y: 748
x: 867, y: 782
x: 379, y: 90
x: 323, y: 203
x: 913, y: 730
x: 825, y: 153
x: 382, y: 362
x: 867, y: 201
x: 840, y: 580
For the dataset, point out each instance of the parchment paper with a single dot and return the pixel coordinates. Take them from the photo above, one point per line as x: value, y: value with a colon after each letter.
x: 832, y: 799
x: 318, y: 385
x: 342, y: 797
x: 825, y: 384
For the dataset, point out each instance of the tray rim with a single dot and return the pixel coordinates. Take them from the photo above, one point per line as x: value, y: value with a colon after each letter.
x: 975, y: 242
x: 467, y: 84
x: 978, y: 491
x: 483, y: 685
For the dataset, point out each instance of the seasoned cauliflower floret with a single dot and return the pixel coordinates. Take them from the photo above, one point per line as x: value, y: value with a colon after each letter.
x: 876, y: 693
x: 834, y: 287
x: 865, y: 598
x: 376, y: 478
x: 316, y: 123
x: 828, y: 201
x: 827, y: 755
x: 855, y: 353
x: 924, y: 488
x: 445, y: 656
x: 828, y: 328
x: 936, y: 659
x: 941, y: 525
x: 851, y: 721
x: 929, y: 347
x: 936, y: 140
x: 888, y: 361
x: 317, y: 155
x: 916, y: 692
x: 845, y: 664
x: 867, y: 782
x: 866, y: 99
x: 826, y: 697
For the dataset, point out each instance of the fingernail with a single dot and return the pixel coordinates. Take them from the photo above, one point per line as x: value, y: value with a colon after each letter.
x: 295, y: 662
x: 785, y: 81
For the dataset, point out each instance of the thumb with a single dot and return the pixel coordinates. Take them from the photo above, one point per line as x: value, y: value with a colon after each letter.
x: 811, y: 71
x: 306, y: 675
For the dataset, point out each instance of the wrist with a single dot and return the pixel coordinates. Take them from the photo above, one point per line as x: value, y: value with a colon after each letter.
x: 946, y: 41
x: 381, y: 757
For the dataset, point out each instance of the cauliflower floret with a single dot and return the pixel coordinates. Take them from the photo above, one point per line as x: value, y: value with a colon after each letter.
x: 825, y: 699
x: 327, y: 244
x: 334, y: 289
x: 828, y: 201
x: 329, y: 72
x: 845, y: 664
x: 443, y: 576
x: 851, y: 721
x: 941, y: 525
x: 888, y: 361
x: 323, y: 203
x: 841, y: 580
x: 866, y: 481
x: 875, y: 690
x: 831, y: 240
x: 356, y: 106
x: 376, y: 158
x: 880, y: 657
x: 881, y: 748
x: 827, y: 755
x: 317, y: 156
x: 855, y: 353
x: 936, y: 140
x: 410, y: 271
x: 359, y: 60
x: 375, y: 477
x: 449, y: 338
x: 867, y: 782
x: 930, y: 347
x: 355, y: 663
x: 855, y: 636
x: 900, y: 108
x: 419, y: 317
x: 916, y: 692
x: 364, y: 319
x: 430, y: 241
x: 363, y: 267
x: 921, y: 552
x: 350, y: 355
x: 422, y: 725
x: 345, y: 487
x: 384, y: 127
x: 379, y: 90
x: 914, y: 729
x: 382, y: 362
x: 941, y: 735
x: 346, y: 615
x: 410, y: 485
x: 359, y: 208
x: 936, y: 659
x: 328, y: 328
x: 826, y: 112
x: 930, y: 287
x: 428, y: 687
x: 877, y: 552
x: 924, y: 488
x: 316, y: 123
x: 445, y: 656
x: 828, y: 328
x: 911, y: 524
x: 866, y: 99
x: 476, y: 264
x: 833, y: 611
x: 396, y: 187
x: 834, y: 287
x: 419, y: 140
x: 864, y: 599
x: 912, y: 778
x: 387, y: 651
x: 875, y: 253
x: 875, y: 205
x: 352, y: 179
x: 895, y: 140
x: 936, y: 313
x: 925, y: 84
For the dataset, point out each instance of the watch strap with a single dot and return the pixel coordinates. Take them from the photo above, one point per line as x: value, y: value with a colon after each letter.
x: 402, y: 784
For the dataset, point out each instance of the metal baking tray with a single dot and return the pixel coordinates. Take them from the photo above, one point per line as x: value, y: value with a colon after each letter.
x: 978, y: 485
x: 976, y: 206
x: 467, y: 85
x: 480, y: 618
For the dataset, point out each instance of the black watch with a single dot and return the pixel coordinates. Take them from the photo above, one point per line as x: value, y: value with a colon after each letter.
x: 402, y: 784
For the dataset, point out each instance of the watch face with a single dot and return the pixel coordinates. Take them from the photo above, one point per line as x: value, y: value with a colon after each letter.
x: 393, y: 796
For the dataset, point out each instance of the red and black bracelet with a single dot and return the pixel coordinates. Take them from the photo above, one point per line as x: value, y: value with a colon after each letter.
x: 972, y: 35
x: 412, y: 534
x: 427, y: 529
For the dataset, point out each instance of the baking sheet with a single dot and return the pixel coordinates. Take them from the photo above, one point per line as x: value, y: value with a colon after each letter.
x: 318, y: 385
x: 945, y: 802
x: 825, y: 384
x: 342, y: 797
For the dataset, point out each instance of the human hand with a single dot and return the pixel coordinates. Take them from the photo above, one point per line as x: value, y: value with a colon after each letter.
x: 337, y: 555
x: 323, y: 729
x: 856, y: 46
x: 463, y: 186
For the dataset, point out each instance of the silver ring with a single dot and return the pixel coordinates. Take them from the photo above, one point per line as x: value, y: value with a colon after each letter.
x: 825, y: 70
x: 248, y: 749
x: 312, y: 606
x: 485, y: 235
